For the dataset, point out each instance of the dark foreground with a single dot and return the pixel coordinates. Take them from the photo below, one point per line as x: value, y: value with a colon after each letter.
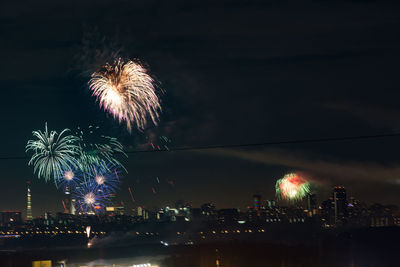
x: 368, y: 247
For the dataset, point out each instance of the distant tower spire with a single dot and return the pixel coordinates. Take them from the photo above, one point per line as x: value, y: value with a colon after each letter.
x: 29, y: 204
x: 67, y: 200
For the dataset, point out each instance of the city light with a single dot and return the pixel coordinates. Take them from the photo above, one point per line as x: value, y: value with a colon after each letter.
x: 88, y: 231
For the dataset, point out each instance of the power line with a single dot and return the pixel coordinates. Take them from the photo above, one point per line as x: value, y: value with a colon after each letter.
x: 298, y: 141
x: 284, y: 142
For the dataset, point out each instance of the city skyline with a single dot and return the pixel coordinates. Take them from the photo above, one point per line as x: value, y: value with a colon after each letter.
x: 67, y: 199
x: 338, y: 211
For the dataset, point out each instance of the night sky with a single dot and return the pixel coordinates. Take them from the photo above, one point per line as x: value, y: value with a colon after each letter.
x: 234, y: 72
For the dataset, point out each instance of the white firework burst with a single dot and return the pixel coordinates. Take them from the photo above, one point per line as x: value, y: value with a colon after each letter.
x: 53, y: 153
x: 127, y: 91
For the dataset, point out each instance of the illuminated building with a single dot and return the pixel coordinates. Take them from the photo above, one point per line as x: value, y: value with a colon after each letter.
x: 228, y: 215
x: 271, y: 203
x: 139, y: 211
x: 340, y: 204
x: 382, y: 215
x: 327, y: 212
x: 29, y: 204
x: 256, y: 202
x: 72, y: 209
x: 10, y: 218
x: 48, y: 218
x: 208, y: 211
x: 67, y: 200
x: 115, y: 210
x: 145, y: 214
x: 311, y: 204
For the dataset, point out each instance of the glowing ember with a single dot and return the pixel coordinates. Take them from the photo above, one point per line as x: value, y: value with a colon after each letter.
x: 100, y: 179
x: 69, y: 175
x: 90, y: 198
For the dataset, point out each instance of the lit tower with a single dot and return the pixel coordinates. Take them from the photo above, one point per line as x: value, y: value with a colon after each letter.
x: 29, y: 204
x: 67, y: 200
x: 311, y: 204
x: 72, y: 209
x: 256, y: 202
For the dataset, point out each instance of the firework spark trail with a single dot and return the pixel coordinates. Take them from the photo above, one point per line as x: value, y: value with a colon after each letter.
x: 292, y: 187
x: 130, y: 192
x: 125, y: 90
x: 53, y: 152
x: 160, y: 143
x: 116, y: 175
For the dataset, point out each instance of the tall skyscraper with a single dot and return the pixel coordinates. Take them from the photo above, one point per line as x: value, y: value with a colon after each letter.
x: 67, y: 200
x: 340, y: 204
x: 72, y: 209
x: 271, y: 203
x: 312, y: 204
x: 327, y: 212
x: 29, y: 204
x: 139, y: 211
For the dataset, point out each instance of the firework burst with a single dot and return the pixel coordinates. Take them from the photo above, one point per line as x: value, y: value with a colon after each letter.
x: 107, y: 179
x: 98, y: 150
x: 70, y: 179
x: 90, y: 199
x: 127, y: 91
x: 52, y: 153
x: 292, y: 187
